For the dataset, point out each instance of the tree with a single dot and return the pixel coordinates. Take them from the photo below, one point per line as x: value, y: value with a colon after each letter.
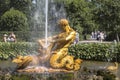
x: 13, y: 20
x: 21, y: 5
x: 79, y: 13
x: 107, y: 15
x: 4, y: 6
x: 24, y: 6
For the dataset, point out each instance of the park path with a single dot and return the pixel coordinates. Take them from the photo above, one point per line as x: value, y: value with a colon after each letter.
x: 93, y: 41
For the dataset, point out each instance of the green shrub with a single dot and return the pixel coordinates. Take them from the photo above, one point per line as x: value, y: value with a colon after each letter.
x: 86, y: 51
x: 13, y: 20
x: 96, y: 51
x: 10, y: 50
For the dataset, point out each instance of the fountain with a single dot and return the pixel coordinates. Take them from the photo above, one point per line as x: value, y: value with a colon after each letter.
x: 58, y: 58
x: 53, y: 57
x: 53, y: 51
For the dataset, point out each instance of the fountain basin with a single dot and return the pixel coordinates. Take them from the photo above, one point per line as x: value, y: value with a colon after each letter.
x: 89, y: 70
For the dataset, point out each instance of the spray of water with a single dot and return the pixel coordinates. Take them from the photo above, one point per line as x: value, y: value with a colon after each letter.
x: 46, y: 22
x: 46, y: 15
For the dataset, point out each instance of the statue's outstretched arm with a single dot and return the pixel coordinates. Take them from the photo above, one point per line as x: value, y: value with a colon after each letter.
x: 71, y: 35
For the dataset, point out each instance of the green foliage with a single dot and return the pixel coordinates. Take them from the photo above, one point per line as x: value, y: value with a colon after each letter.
x: 79, y: 13
x: 10, y: 50
x: 96, y: 51
x: 103, y: 15
x: 107, y: 15
x: 13, y: 20
x: 112, y: 36
x: 4, y: 6
x: 86, y: 51
x: 24, y: 6
x: 21, y: 5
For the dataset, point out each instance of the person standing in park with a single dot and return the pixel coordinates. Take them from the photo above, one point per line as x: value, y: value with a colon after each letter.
x: 77, y: 38
x: 5, y: 37
x: 101, y: 36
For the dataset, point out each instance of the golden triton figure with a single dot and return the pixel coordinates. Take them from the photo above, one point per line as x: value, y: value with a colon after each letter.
x: 57, y: 50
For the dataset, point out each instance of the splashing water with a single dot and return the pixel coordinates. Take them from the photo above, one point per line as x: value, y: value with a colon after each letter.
x: 46, y: 16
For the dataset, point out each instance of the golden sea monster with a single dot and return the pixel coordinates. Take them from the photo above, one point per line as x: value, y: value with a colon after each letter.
x: 57, y: 50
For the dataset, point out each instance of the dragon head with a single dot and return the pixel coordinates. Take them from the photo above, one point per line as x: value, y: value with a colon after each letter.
x: 18, y: 59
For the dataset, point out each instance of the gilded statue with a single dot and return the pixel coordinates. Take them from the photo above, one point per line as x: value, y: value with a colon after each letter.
x: 56, y: 52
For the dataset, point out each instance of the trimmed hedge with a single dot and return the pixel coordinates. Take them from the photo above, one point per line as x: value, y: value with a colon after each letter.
x: 86, y: 51
x: 96, y: 51
x: 11, y: 49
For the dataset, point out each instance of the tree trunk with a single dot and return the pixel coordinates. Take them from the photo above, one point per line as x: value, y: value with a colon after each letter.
x: 117, y: 37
